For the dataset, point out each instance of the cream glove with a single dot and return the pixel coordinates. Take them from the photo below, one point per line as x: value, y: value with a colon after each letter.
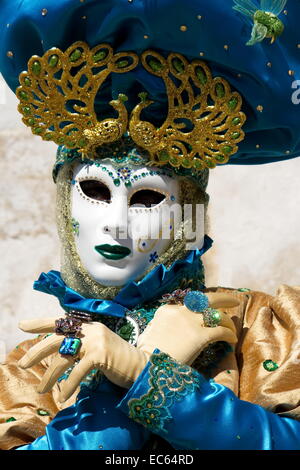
x: 181, y: 333
x: 101, y: 349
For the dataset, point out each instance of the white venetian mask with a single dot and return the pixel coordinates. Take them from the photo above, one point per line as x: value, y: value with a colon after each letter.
x: 121, y: 219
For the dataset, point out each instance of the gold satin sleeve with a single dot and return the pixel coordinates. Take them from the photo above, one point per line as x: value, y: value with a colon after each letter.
x: 24, y: 413
x: 268, y: 329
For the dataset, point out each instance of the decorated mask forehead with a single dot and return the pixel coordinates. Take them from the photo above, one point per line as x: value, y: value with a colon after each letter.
x: 122, y: 218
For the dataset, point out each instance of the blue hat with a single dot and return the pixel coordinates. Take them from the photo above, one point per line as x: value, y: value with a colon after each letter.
x: 217, y: 32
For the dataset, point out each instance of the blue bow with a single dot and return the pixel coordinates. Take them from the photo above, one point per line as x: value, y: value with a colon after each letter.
x: 160, y: 281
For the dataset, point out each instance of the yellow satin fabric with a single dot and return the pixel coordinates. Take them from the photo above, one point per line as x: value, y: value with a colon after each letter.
x: 267, y: 327
x: 20, y: 400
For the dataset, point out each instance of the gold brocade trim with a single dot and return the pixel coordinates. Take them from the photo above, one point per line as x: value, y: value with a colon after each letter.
x: 203, y: 124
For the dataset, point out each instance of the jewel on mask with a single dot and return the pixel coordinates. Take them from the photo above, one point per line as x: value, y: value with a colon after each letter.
x: 153, y: 257
x: 75, y: 226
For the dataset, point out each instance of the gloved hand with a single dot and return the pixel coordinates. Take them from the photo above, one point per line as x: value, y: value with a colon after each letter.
x: 180, y: 333
x: 101, y: 349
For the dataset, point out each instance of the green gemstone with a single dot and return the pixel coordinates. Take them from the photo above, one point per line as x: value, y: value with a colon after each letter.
x: 227, y: 149
x: 9, y: 420
x: 163, y: 156
x: 198, y: 164
x: 61, y: 140
x: 173, y: 161
x: 135, y: 177
x: 123, y: 97
x: 270, y: 365
x: 155, y: 65
x: 48, y: 136
x: 143, y: 175
x: 229, y: 372
x: 178, y: 65
x: 201, y: 75
x: 232, y: 103
x: 75, y: 55
x: 99, y: 56
x: 36, y: 67
x: 220, y: 158
x: 53, y: 61
x: 117, y: 182
x: 220, y: 90
x: 27, y: 81
x: 31, y: 121
x: 23, y: 95
x: 210, y: 163
x: 143, y: 96
x: 186, y: 163
x: 42, y: 412
x: 82, y: 142
x: 37, y: 130
x: 236, y: 121
x: 244, y: 289
x: 26, y: 110
x: 235, y: 135
x: 216, y: 317
x: 122, y: 63
x: 127, y: 184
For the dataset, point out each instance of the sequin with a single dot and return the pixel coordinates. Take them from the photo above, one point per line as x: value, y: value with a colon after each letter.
x: 42, y: 412
x: 10, y: 420
x: 270, y: 365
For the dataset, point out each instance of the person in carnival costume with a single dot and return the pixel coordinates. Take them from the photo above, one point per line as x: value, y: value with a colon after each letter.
x: 143, y: 99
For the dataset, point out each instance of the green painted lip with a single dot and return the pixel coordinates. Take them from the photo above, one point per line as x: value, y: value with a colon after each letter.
x: 113, y: 251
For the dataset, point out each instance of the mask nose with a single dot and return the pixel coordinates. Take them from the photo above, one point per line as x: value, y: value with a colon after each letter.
x: 116, y: 222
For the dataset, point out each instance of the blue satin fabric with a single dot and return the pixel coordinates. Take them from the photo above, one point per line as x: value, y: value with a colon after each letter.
x: 209, y: 418
x: 213, y: 418
x: 159, y: 281
x: 93, y: 423
x: 124, y: 24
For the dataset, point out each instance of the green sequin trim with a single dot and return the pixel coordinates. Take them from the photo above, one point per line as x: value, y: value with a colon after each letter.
x: 169, y: 382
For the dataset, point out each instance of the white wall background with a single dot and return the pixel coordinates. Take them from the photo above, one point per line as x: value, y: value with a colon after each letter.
x: 254, y: 212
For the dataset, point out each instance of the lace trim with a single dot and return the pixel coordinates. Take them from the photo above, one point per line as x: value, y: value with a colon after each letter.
x: 169, y: 382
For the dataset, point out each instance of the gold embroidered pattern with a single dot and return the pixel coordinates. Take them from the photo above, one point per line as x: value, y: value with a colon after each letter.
x: 204, y: 120
x: 58, y: 94
x: 202, y: 128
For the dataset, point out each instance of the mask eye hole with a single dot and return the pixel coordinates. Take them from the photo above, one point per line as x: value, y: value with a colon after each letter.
x: 95, y: 190
x: 146, y: 198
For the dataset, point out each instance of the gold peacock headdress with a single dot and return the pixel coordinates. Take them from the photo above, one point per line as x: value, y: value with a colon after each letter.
x: 203, y: 124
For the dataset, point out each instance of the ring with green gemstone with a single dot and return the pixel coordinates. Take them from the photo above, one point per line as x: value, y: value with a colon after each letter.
x: 211, y: 317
